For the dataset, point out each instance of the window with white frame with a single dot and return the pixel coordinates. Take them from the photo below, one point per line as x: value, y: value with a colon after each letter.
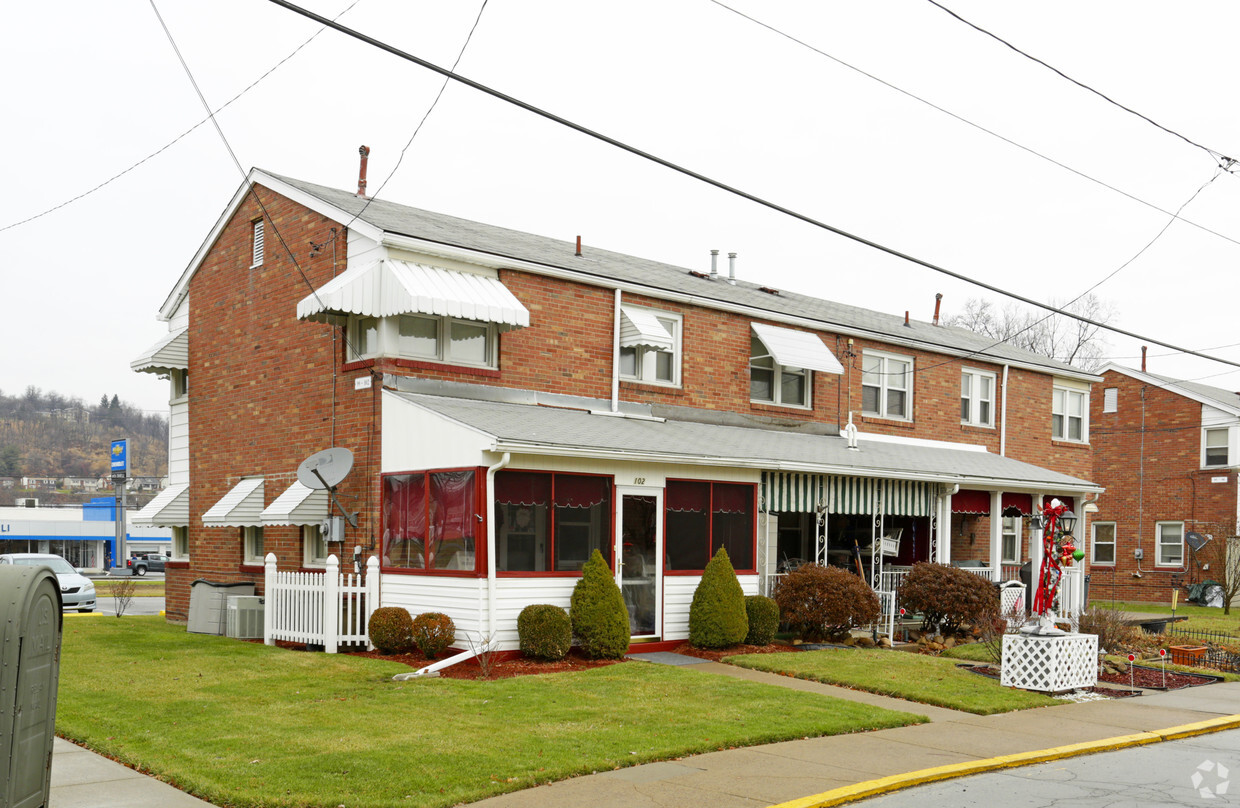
x: 772, y: 382
x: 887, y: 385
x: 650, y: 345
x: 1215, y: 446
x: 1170, y: 541
x: 314, y: 546
x: 1068, y: 414
x: 1103, y: 544
x: 428, y: 338
x: 977, y: 397
x: 252, y: 540
x: 180, y: 544
x: 1011, y: 540
x: 1110, y: 399
x: 257, y: 231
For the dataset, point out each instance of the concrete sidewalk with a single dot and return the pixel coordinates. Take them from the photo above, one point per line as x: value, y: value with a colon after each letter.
x: 953, y: 743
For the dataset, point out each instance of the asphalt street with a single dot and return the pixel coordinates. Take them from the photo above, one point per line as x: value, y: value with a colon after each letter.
x: 1203, y: 770
x: 136, y: 606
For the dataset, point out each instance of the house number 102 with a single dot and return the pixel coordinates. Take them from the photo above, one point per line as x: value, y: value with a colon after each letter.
x: 639, y: 481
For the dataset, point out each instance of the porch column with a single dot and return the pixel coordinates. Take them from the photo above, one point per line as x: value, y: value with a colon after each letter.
x: 996, y: 533
x: 1035, y: 549
x: 944, y: 543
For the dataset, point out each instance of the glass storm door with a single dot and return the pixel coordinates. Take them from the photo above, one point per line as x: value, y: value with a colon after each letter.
x: 639, y: 528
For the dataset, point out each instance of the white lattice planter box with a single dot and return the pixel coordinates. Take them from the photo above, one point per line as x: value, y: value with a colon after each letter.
x: 1050, y: 664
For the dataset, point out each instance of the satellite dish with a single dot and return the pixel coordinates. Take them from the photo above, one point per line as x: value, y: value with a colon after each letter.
x: 1196, y: 540
x: 325, y: 469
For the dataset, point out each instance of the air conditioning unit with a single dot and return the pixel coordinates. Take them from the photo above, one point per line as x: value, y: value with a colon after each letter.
x: 245, y: 617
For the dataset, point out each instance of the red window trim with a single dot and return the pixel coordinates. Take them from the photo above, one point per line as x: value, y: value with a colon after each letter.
x: 710, y: 524
x: 611, y: 526
x: 480, y: 533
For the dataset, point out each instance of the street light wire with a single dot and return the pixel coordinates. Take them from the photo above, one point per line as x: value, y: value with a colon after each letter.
x: 718, y: 183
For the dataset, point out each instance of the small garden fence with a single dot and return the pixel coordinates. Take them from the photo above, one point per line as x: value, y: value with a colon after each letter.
x: 1205, y: 649
x: 326, y: 608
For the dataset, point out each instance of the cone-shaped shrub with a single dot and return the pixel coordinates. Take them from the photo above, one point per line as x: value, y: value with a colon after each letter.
x: 391, y: 630
x: 717, y: 616
x: 763, y: 614
x: 600, y: 620
x: 544, y: 632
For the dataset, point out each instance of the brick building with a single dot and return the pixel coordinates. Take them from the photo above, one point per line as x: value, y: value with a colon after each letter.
x: 514, y: 402
x: 1166, y: 451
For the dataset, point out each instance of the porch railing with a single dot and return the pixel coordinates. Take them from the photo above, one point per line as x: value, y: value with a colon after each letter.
x: 319, y: 608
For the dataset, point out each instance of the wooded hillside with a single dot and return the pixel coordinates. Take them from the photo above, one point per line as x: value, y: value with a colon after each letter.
x: 51, y: 435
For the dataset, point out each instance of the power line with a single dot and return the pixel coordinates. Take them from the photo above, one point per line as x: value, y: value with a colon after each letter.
x: 717, y: 183
x: 1222, y: 159
x: 967, y: 122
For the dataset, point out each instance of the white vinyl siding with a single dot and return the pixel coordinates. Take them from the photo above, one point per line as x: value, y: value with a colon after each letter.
x: 1169, y: 538
x: 887, y: 385
x: 1103, y: 544
x: 977, y: 398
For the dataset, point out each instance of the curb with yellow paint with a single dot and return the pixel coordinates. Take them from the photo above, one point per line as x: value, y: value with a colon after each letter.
x: 896, y: 782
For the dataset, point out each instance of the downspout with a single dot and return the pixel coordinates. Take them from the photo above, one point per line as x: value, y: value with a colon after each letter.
x: 1003, y: 417
x: 615, y: 356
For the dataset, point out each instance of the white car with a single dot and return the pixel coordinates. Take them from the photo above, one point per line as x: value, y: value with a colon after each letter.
x: 76, y: 590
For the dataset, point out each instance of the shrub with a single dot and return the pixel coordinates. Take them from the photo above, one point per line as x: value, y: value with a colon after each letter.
x: 948, y: 597
x: 391, y: 630
x: 599, y: 617
x: 433, y: 632
x: 763, y: 614
x: 544, y: 631
x: 1115, y: 634
x: 717, y: 615
x: 822, y: 603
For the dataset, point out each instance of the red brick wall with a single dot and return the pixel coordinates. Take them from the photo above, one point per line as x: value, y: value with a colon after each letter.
x: 1148, y: 455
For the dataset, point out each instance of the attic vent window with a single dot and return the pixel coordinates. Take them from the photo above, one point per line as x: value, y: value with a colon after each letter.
x: 258, y: 243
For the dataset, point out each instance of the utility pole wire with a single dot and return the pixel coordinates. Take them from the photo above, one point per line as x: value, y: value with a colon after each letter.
x: 721, y: 185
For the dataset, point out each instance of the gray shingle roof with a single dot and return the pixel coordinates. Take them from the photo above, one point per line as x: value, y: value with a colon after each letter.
x: 504, y: 243
x: 1224, y: 398
x: 573, y: 432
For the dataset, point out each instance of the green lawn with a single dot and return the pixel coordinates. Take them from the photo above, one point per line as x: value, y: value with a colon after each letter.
x: 142, y: 589
x: 915, y: 677
x: 1200, y: 618
x: 241, y: 724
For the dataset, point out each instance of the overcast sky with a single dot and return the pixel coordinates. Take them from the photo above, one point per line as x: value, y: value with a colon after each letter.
x: 94, y: 88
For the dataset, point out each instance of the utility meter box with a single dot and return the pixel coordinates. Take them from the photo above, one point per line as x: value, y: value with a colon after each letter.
x: 30, y: 622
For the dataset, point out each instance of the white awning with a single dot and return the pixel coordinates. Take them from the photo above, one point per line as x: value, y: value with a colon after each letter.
x: 389, y: 287
x: 641, y: 328
x: 241, y: 506
x: 170, y: 353
x: 797, y: 349
x: 169, y: 508
x: 298, y: 505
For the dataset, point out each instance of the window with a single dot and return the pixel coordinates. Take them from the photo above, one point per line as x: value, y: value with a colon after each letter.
x: 1068, y: 414
x: 257, y: 248
x: 977, y: 398
x: 1216, y: 448
x: 549, y: 522
x: 1110, y: 399
x: 313, y: 546
x: 180, y: 543
x: 1103, y: 544
x: 414, y: 336
x: 252, y: 540
x: 771, y: 381
x: 1170, y: 544
x: 704, y: 516
x: 431, y: 520
x: 649, y: 345
x: 180, y: 383
x: 886, y: 385
x: 1011, y: 540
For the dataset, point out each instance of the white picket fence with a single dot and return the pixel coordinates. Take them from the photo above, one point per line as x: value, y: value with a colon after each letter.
x: 319, y: 608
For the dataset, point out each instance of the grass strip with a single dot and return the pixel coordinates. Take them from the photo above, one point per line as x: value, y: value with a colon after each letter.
x: 142, y: 589
x: 915, y: 677
x: 242, y: 724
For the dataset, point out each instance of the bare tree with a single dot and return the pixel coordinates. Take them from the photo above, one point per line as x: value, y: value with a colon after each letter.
x: 1219, y: 559
x: 1062, y: 338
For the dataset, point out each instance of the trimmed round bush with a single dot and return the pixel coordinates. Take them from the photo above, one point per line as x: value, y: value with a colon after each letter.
x: 823, y: 603
x: 763, y: 614
x: 391, y: 630
x: 948, y: 597
x: 544, y: 632
x: 599, y: 618
x: 717, y: 616
x: 433, y: 633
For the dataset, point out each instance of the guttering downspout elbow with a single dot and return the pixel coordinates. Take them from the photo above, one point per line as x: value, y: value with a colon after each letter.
x: 491, y: 580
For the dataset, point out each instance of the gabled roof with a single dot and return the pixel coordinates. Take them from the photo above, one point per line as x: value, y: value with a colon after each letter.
x: 1225, y: 400
x: 403, y: 226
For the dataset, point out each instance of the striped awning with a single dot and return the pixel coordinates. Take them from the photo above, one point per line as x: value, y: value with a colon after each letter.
x: 390, y: 287
x: 242, y: 506
x: 170, y: 353
x: 641, y: 328
x: 298, y: 505
x: 805, y: 493
x: 797, y: 349
x: 169, y: 508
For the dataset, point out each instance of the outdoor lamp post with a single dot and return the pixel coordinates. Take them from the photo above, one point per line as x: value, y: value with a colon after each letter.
x: 1058, y: 551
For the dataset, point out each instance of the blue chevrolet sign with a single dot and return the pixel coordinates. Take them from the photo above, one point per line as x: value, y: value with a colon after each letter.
x: 120, y: 458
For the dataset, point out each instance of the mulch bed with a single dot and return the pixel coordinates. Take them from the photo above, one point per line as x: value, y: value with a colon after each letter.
x: 503, y: 669
x: 1147, y: 678
x: 717, y: 654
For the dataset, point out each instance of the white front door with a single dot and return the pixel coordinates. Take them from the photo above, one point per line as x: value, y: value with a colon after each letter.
x: 639, y: 554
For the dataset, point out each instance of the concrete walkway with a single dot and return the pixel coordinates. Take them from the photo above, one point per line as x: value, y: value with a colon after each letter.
x: 804, y: 773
